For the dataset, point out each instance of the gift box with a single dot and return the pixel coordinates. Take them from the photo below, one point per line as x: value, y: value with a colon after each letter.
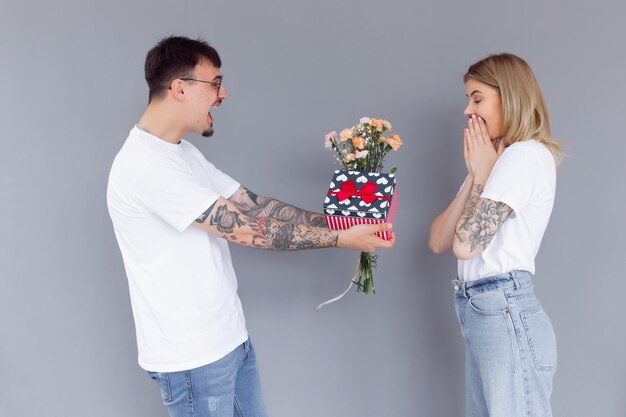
x: 356, y: 197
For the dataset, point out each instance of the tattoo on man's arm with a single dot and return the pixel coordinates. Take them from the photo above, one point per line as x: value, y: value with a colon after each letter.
x: 202, y: 218
x: 288, y: 213
x: 252, y: 196
x: 279, y: 235
x: 226, y: 220
x: 258, y: 206
x: 269, y: 233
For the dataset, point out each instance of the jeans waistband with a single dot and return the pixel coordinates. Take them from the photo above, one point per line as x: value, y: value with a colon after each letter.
x: 510, y: 280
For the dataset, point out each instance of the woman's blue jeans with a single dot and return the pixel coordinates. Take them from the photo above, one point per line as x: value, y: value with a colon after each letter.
x: 229, y: 387
x: 510, y: 347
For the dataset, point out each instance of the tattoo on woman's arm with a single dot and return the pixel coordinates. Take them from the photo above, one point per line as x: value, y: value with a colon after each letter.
x: 482, y: 219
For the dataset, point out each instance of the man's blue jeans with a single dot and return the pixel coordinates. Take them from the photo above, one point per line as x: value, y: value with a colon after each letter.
x: 225, y: 388
x: 510, y: 347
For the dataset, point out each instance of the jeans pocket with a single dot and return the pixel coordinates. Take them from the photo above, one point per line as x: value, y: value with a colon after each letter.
x: 493, y: 307
x: 492, y: 303
x: 541, y: 338
x: 163, y: 381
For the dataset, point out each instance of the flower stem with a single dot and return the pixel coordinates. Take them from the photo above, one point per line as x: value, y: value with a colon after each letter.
x: 364, y: 275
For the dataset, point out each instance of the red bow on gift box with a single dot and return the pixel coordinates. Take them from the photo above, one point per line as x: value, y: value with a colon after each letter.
x: 348, y: 189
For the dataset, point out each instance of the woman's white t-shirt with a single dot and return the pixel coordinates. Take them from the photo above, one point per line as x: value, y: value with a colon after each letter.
x: 523, y: 178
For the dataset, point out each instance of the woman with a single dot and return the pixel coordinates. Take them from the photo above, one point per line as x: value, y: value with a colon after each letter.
x: 494, y: 226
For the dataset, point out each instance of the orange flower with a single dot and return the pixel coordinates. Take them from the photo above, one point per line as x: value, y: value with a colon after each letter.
x: 394, y: 141
x: 345, y: 134
x: 378, y: 124
x: 349, y: 157
x: 358, y: 142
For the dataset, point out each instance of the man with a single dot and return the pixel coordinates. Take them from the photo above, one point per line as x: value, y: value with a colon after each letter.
x: 173, y: 213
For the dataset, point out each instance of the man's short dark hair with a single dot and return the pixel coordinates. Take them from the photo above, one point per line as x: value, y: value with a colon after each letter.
x: 175, y: 57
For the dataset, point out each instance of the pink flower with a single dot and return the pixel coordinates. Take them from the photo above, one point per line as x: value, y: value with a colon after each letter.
x: 329, y: 138
x: 349, y: 157
x: 361, y: 154
x: 386, y: 124
x: 365, y: 120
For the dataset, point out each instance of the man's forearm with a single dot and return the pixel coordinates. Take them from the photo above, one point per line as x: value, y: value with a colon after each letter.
x: 266, y: 232
x: 280, y: 235
x: 257, y: 206
x: 278, y: 210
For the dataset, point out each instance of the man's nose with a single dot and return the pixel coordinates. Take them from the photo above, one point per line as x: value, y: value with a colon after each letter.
x: 222, y: 94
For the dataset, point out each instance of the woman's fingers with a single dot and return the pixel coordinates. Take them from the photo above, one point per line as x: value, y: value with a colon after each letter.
x: 472, y: 133
x: 466, y: 144
x: 482, y: 128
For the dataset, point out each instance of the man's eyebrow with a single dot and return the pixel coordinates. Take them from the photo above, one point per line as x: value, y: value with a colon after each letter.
x: 218, y: 77
x: 472, y: 93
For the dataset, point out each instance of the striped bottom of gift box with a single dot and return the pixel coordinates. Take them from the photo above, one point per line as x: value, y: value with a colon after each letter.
x: 342, y: 223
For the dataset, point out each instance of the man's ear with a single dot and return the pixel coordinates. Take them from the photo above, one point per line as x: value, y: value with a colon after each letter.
x: 177, y: 89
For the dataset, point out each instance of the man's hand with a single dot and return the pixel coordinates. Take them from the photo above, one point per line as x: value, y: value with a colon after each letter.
x: 363, y: 237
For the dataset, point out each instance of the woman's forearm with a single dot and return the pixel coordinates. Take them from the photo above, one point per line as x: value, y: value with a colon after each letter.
x: 443, y: 227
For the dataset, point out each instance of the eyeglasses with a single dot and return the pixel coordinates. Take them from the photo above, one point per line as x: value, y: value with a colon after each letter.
x: 217, y: 84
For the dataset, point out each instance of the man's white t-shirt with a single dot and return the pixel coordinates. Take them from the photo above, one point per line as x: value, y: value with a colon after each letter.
x: 523, y: 178
x: 182, y: 284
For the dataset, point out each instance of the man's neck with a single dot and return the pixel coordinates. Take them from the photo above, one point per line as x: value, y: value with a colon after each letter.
x: 162, y: 123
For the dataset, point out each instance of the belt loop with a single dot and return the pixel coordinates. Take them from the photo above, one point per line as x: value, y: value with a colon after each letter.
x: 516, y: 282
x: 464, y: 286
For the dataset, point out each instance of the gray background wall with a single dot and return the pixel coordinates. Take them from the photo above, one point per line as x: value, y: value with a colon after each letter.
x: 72, y: 86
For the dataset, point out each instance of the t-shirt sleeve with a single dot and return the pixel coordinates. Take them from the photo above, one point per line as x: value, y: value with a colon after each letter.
x: 513, y: 179
x: 172, y: 193
x: 225, y: 185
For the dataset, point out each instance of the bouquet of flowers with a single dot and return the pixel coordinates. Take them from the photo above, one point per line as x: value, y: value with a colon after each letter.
x: 361, y: 151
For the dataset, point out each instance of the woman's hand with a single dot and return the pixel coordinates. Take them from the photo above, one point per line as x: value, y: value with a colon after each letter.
x: 480, y: 153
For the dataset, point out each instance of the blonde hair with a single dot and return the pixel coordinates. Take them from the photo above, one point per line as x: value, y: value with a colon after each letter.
x: 524, y: 111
